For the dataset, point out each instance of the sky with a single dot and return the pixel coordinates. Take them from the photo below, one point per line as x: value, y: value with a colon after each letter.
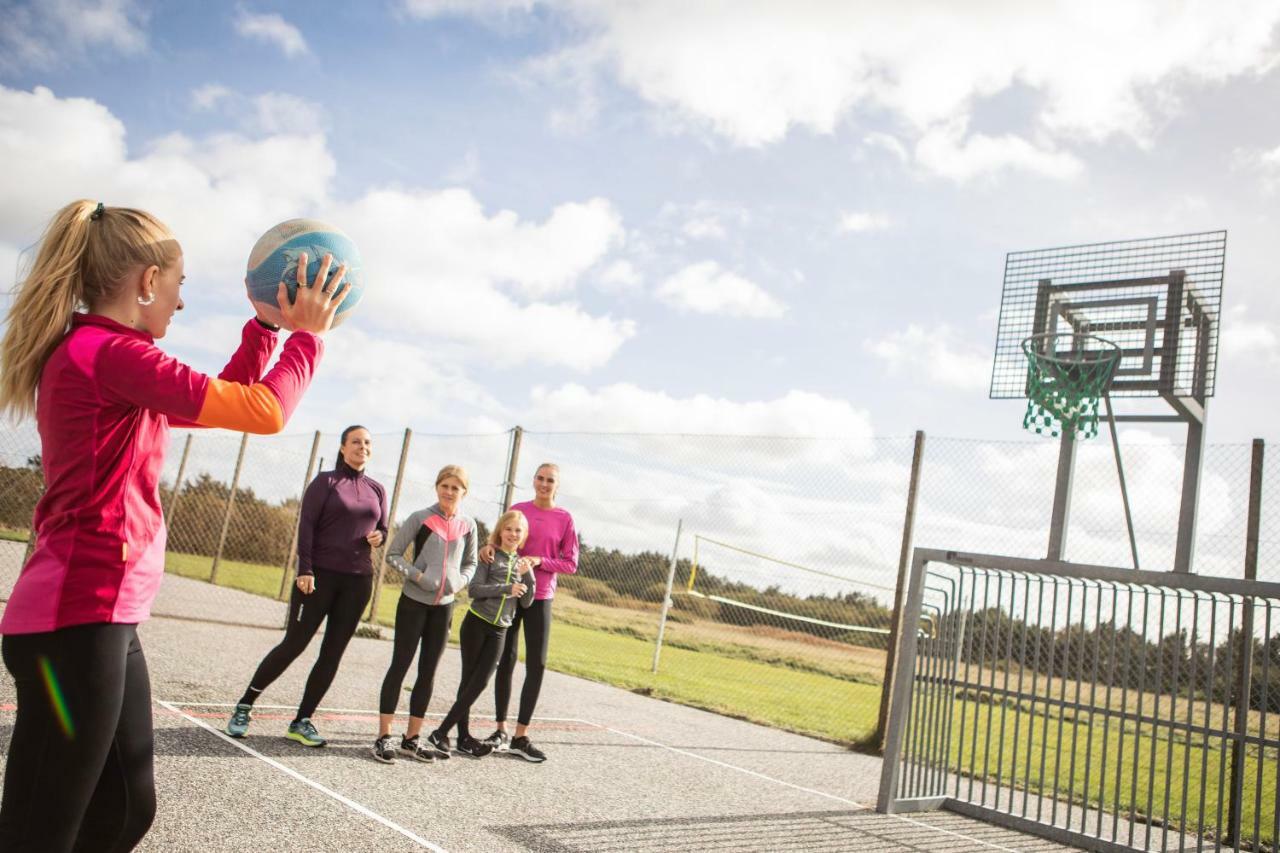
x: 742, y: 217
x: 755, y: 218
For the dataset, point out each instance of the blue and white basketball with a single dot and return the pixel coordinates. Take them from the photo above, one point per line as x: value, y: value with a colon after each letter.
x: 275, y: 259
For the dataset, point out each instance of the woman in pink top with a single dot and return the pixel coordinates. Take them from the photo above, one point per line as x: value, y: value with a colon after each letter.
x: 552, y: 547
x: 79, y: 770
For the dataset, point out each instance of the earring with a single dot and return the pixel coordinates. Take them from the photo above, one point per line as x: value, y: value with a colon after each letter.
x: 150, y: 298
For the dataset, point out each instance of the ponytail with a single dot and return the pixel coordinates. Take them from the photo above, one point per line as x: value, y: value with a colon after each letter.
x: 85, y: 254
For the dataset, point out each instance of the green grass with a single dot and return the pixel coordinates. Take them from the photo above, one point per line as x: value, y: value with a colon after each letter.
x: 1135, y: 773
x: 8, y: 535
x: 706, y: 675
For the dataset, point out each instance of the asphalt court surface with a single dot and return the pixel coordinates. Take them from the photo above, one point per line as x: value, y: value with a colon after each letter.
x: 625, y: 772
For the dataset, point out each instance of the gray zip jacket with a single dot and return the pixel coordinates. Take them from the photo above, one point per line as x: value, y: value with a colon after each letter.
x: 446, y: 561
x: 490, y: 589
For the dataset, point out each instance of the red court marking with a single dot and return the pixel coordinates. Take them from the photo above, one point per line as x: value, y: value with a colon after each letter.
x: 363, y: 718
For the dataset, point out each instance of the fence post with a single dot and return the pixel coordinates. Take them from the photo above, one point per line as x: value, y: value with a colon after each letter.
x: 1244, y: 666
x: 292, y: 554
x: 891, y: 767
x: 177, y: 482
x: 666, y: 598
x: 391, y: 521
x: 904, y: 562
x: 513, y: 460
x: 231, y: 501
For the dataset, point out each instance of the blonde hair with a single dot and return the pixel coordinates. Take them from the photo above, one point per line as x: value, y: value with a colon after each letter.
x: 84, y: 256
x: 495, y: 535
x: 458, y: 473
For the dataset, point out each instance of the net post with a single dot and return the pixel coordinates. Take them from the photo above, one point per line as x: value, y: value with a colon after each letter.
x: 513, y: 460
x: 292, y: 557
x: 391, y: 520
x: 1244, y: 664
x: 1062, y: 496
x: 666, y: 598
x: 904, y: 563
x: 904, y: 666
x: 231, y: 502
x: 177, y: 481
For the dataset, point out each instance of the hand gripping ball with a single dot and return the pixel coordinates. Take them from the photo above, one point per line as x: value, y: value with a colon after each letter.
x: 274, y: 259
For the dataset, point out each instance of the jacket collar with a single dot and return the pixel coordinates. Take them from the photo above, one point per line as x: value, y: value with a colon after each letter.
x: 101, y: 322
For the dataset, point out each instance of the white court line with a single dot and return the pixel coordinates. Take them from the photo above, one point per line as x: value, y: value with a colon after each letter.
x: 603, y: 727
x: 346, y: 801
x: 796, y: 787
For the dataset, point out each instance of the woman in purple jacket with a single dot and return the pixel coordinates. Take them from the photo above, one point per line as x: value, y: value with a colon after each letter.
x: 344, y: 517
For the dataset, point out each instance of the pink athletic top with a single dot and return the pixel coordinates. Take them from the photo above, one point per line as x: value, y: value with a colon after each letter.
x: 551, y: 537
x: 106, y: 398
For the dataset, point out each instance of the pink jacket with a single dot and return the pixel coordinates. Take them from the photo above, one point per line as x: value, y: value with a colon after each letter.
x: 106, y: 399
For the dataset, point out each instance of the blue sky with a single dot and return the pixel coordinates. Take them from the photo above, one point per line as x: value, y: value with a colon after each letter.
x: 781, y: 218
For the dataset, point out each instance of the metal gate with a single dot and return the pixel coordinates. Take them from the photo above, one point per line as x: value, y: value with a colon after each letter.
x: 1106, y: 708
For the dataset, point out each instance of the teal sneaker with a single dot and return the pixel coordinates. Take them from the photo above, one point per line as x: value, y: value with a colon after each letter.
x: 304, y: 733
x: 238, y: 725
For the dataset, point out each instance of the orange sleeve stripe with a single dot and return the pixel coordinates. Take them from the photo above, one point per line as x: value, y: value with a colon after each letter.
x: 243, y: 408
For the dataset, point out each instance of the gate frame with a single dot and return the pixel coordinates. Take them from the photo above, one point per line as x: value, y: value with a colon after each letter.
x: 905, y: 669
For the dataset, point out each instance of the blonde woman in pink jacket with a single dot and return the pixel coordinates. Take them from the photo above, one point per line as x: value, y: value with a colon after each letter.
x: 79, y: 353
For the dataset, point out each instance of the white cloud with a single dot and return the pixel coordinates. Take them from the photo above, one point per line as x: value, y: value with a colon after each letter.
x: 704, y: 227
x: 756, y: 70
x: 478, y: 8
x: 624, y: 407
x: 208, y: 96
x: 1248, y: 336
x: 858, y: 221
x: 619, y: 276
x: 706, y: 288
x: 46, y: 33
x: 269, y: 113
x: 1265, y: 163
x: 945, y: 151
x: 439, y: 267
x: 936, y: 354
x: 271, y: 28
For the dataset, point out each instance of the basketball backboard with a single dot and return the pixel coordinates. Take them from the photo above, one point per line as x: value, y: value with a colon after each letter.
x: 1158, y: 299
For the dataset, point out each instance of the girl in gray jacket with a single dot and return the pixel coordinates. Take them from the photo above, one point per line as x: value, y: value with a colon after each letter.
x: 496, y: 590
x: 444, y: 559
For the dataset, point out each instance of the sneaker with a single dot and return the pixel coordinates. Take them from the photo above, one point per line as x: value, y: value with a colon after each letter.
x: 413, y: 746
x: 474, y: 748
x: 305, y: 733
x: 384, y: 751
x: 499, y: 740
x: 238, y: 725
x: 526, y: 750
x: 439, y: 743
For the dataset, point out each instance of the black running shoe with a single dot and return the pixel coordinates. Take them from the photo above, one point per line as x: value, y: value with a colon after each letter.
x: 499, y: 740
x: 384, y: 750
x: 413, y: 746
x: 526, y: 750
x: 439, y: 743
x: 474, y: 748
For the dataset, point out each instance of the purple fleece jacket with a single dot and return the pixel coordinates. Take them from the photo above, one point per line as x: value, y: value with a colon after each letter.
x: 340, y: 508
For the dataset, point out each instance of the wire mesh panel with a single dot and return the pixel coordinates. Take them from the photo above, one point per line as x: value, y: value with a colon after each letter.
x: 1113, y: 709
x: 1158, y: 299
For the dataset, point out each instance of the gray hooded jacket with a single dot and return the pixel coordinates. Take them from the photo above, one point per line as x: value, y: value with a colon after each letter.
x: 490, y: 589
x: 446, y: 561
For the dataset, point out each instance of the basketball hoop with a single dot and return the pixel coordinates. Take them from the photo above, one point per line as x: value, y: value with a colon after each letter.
x: 1065, y: 385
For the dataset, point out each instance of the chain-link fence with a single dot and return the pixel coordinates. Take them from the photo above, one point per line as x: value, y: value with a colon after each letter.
x: 787, y: 559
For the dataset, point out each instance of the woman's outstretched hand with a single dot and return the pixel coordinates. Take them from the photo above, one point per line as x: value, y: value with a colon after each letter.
x: 315, y: 303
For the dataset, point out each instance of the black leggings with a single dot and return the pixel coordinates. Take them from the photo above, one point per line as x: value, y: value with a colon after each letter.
x: 481, y: 645
x: 80, y: 770
x: 341, y: 597
x: 417, y: 624
x: 537, y: 635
